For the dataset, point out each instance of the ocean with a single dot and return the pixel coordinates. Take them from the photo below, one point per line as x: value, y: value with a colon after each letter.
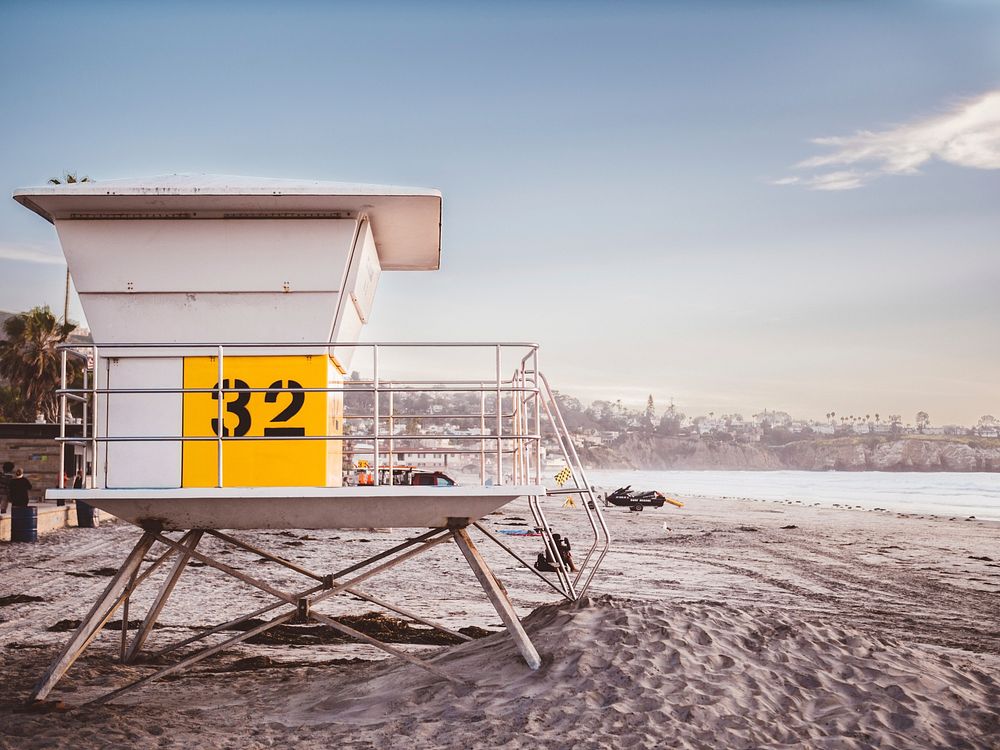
x: 942, y: 494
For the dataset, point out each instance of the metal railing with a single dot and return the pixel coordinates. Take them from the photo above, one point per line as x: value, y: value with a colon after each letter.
x: 509, y: 417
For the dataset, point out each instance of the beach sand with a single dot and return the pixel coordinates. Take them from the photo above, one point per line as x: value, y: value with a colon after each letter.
x: 728, y: 623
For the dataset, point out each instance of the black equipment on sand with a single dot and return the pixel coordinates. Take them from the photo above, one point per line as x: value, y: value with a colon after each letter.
x: 626, y: 497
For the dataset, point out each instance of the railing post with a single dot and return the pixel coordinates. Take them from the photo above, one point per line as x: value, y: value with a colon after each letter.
x: 84, y: 417
x: 93, y: 432
x: 499, y: 422
x: 518, y: 416
x: 526, y: 446
x: 538, y: 421
x: 482, y: 432
x: 86, y: 403
x: 62, y: 421
x: 392, y: 432
x: 375, y: 432
x: 221, y: 425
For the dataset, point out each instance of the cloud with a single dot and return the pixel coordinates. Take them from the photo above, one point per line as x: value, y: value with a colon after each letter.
x: 30, y: 254
x: 968, y: 135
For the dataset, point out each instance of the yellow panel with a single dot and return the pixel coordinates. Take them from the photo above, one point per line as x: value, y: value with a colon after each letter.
x: 278, y: 412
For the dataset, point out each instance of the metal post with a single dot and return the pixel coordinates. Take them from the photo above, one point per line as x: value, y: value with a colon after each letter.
x: 375, y: 432
x: 62, y: 421
x: 522, y: 420
x: 84, y: 417
x: 221, y: 426
x: 515, y: 428
x: 86, y: 403
x: 482, y: 431
x: 499, y: 424
x: 93, y: 432
x: 392, y: 431
x: 538, y: 421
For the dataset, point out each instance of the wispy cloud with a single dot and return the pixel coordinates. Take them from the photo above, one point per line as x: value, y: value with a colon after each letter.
x: 30, y: 254
x: 968, y: 135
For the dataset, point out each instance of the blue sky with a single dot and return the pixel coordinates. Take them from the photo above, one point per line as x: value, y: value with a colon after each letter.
x: 620, y: 180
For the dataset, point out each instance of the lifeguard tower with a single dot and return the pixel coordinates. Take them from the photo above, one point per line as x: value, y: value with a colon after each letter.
x: 226, y: 314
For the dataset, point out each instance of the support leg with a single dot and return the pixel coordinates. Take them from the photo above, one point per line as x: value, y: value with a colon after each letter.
x: 94, y: 620
x: 190, y: 541
x: 497, y: 596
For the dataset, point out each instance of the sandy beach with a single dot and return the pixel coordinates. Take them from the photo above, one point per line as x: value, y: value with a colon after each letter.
x: 728, y: 623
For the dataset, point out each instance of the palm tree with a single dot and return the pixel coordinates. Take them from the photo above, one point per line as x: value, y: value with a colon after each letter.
x: 30, y: 361
x: 68, y: 178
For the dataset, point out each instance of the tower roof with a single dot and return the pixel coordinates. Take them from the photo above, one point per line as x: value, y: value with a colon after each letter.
x: 405, y: 221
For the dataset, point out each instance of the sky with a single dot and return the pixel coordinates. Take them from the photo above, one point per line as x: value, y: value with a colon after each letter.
x: 734, y: 205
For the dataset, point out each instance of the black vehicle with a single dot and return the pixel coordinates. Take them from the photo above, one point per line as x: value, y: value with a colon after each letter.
x: 431, y: 479
x: 626, y: 497
x: 400, y: 476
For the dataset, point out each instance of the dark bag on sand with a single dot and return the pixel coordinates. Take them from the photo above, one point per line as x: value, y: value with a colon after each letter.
x: 543, y: 564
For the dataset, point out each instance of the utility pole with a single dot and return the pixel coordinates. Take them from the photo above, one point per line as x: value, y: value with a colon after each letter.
x: 66, y: 299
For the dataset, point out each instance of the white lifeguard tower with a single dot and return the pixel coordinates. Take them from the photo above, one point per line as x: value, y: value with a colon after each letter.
x: 225, y: 313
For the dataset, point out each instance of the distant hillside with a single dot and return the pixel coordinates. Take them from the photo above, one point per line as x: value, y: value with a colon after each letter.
x: 857, y: 453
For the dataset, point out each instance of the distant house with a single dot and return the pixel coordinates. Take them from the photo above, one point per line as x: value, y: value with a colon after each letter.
x: 773, y: 418
x: 426, y: 460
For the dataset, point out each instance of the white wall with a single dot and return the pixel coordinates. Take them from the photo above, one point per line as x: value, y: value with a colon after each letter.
x: 208, y: 279
x: 140, y: 464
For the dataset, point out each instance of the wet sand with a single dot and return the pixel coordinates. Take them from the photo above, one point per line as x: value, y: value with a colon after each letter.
x: 727, y: 623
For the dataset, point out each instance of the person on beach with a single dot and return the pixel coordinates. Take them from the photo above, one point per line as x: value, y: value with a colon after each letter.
x: 546, y: 564
x: 19, y: 487
x: 5, y: 479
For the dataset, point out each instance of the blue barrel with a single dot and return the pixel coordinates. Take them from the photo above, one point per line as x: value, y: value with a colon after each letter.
x: 24, y: 524
x: 86, y: 515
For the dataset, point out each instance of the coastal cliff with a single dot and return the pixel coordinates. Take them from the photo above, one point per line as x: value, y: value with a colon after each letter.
x: 875, y: 453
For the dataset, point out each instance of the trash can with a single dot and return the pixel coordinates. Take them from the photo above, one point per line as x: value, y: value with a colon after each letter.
x: 86, y: 515
x: 24, y: 524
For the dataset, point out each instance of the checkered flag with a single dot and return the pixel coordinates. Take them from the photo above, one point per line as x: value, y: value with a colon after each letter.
x: 563, y: 476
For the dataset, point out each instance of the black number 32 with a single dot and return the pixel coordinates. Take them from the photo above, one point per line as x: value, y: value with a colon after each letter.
x: 239, y: 407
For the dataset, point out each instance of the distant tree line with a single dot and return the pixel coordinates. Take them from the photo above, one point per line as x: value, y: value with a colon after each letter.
x: 30, y: 365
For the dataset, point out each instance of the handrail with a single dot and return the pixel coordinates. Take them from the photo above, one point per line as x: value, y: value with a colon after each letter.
x: 509, y: 436
x: 297, y: 344
x: 510, y: 414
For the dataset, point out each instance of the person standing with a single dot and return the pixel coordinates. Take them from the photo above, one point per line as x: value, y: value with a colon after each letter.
x: 19, y: 488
